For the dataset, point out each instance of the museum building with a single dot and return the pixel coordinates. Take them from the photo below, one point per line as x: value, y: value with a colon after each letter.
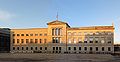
x: 59, y: 37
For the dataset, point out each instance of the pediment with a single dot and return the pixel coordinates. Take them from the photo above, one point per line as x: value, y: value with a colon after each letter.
x: 56, y: 22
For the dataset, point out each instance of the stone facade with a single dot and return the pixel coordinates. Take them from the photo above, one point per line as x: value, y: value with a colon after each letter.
x: 59, y: 37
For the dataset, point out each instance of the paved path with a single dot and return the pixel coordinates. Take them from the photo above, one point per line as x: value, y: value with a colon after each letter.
x: 7, y: 57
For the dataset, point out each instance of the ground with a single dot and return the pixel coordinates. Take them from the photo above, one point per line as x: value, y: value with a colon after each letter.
x: 36, y: 57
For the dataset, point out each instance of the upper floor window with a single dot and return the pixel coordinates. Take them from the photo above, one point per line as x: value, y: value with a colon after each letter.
x: 31, y: 40
x: 74, y: 33
x: 40, y: 34
x: 18, y: 34
x: 45, y: 34
x: 45, y: 40
x: 31, y: 34
x: 69, y: 41
x: 13, y: 34
x: 79, y: 33
x: 69, y: 33
x: 74, y: 40
x: 85, y: 33
x: 18, y: 40
x: 91, y: 33
x: 27, y: 34
x: 27, y: 40
x: 22, y: 40
x: 36, y: 40
x: 36, y: 34
x: 22, y: 34
x: 40, y: 40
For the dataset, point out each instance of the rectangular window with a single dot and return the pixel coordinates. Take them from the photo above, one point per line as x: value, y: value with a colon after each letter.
x: 40, y: 34
x: 18, y: 40
x: 56, y: 48
x: 22, y: 48
x: 69, y: 48
x: 27, y: 35
x: 36, y: 40
x: 35, y: 48
x: 40, y: 48
x: 91, y: 41
x: 79, y: 48
x: 31, y: 40
x: 85, y: 41
x: 36, y: 34
x: 109, y: 49
x: 102, y: 48
x: 85, y: 48
x: 26, y: 48
x: 31, y: 48
x: 13, y: 34
x: 96, y: 41
x: 45, y: 40
x: 40, y: 40
x: 22, y: 34
x: 27, y: 40
x: 59, y: 48
x: 90, y: 48
x: 96, y: 48
x: 13, y: 48
x: 31, y: 34
x: 22, y: 40
x: 18, y: 34
x: 13, y: 40
x: 52, y: 31
x: 53, y: 48
x: 17, y: 48
x: 74, y: 48
x: 45, y: 34
x: 45, y: 48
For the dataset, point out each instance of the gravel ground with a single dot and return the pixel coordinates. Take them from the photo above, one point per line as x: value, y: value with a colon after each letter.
x: 36, y: 57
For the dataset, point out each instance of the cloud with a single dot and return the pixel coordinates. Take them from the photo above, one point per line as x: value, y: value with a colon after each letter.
x: 5, y: 15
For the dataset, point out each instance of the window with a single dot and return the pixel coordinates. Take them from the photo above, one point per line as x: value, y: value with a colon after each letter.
x: 109, y: 41
x: 35, y: 48
x: 22, y: 34
x: 91, y: 41
x: 31, y: 48
x: 26, y: 48
x: 13, y: 40
x: 13, y: 34
x: 18, y: 34
x: 69, y: 41
x: 109, y: 49
x: 45, y: 40
x: 27, y: 40
x: 96, y: 48
x: 69, y: 48
x: 69, y: 33
x: 56, y: 48
x: 74, y: 48
x: 40, y: 34
x: 52, y: 31
x: 18, y: 40
x: 85, y: 41
x: 27, y: 35
x: 22, y: 40
x: 13, y: 48
x: 45, y: 34
x: 90, y: 48
x: 17, y: 48
x: 40, y: 48
x: 36, y: 34
x: 74, y: 33
x: 45, y: 48
x: 53, y: 48
x: 96, y: 41
x: 40, y: 40
x: 74, y: 40
x: 31, y: 34
x: 85, y: 33
x: 36, y: 40
x: 79, y: 40
x: 79, y: 48
x: 85, y: 48
x: 102, y: 48
x: 31, y: 40
x: 59, y: 48
x: 79, y: 33
x: 22, y: 48
x: 91, y: 33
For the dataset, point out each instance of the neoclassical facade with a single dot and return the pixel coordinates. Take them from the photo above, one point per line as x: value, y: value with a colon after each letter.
x: 59, y: 37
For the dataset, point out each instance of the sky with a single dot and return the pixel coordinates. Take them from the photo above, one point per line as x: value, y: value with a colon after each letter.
x: 77, y: 13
